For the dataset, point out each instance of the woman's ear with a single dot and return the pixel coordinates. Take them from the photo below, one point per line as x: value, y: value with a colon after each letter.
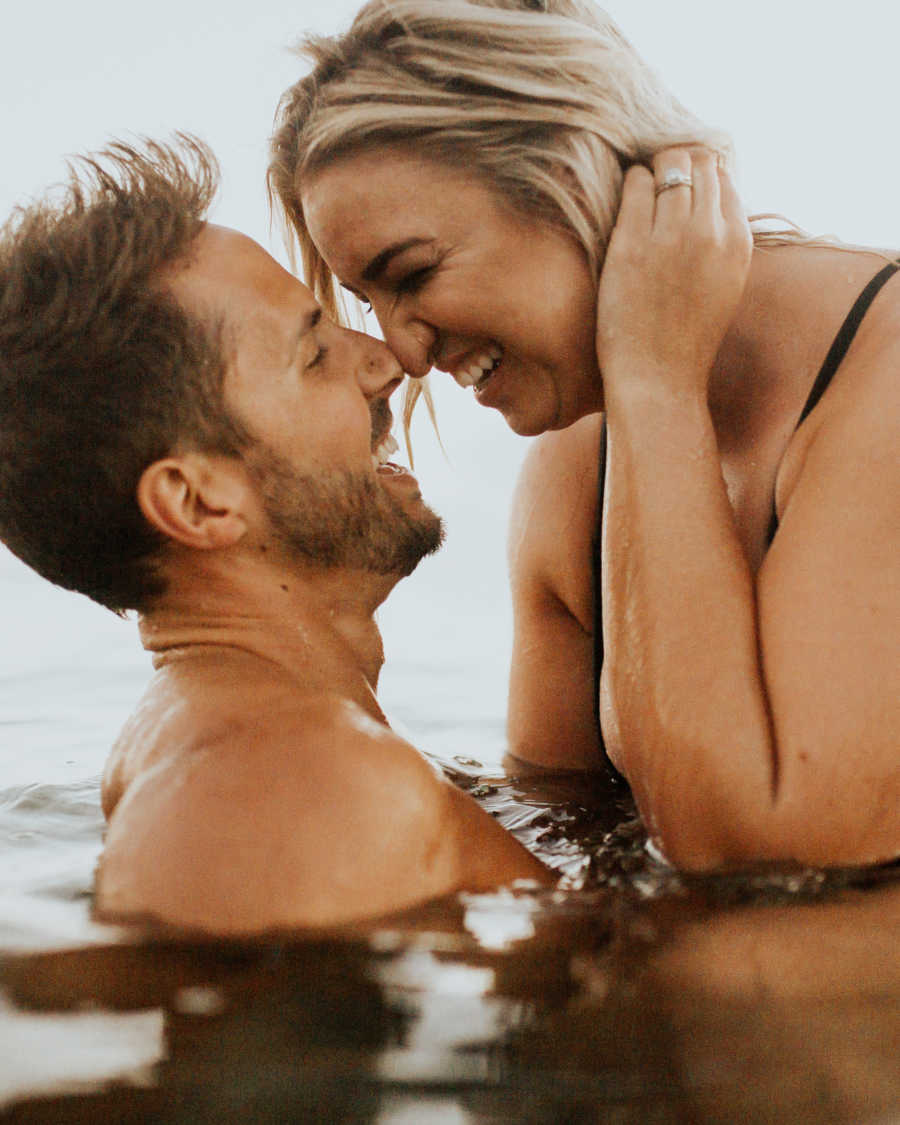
x: 195, y: 499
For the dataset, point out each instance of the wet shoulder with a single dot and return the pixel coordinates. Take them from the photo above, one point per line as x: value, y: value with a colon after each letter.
x: 302, y: 815
x: 554, y: 515
x: 855, y: 425
x: 191, y: 705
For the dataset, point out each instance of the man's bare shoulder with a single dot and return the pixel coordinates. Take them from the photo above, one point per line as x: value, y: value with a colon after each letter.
x: 308, y: 814
x: 188, y: 705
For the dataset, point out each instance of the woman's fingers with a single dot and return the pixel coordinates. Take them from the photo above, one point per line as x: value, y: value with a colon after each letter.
x: 703, y: 211
x: 636, y: 209
x: 674, y: 272
x: 707, y: 199
x: 684, y: 185
x: 687, y: 187
x: 731, y: 201
x: 673, y: 187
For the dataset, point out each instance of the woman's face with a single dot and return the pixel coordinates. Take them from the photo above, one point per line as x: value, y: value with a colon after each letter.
x: 458, y: 280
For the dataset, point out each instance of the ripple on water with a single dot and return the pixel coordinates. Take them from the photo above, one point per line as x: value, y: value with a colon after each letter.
x: 50, y: 838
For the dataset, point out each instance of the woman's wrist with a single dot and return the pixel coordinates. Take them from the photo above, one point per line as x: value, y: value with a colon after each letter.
x: 649, y: 389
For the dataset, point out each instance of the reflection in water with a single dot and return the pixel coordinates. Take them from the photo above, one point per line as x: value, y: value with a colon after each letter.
x: 630, y: 995
x: 48, y: 1051
x: 499, y: 921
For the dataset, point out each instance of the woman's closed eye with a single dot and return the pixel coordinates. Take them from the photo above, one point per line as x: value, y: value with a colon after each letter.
x: 415, y: 279
x: 406, y: 285
x: 361, y: 297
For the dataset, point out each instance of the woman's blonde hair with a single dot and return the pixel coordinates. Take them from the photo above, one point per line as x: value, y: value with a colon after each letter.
x: 543, y: 99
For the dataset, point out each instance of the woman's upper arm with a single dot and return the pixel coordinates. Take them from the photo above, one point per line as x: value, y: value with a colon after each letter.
x: 829, y: 621
x: 550, y: 720
x: 551, y: 697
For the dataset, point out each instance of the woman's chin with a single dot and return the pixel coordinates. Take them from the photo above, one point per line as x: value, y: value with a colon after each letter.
x: 529, y: 419
x: 526, y: 414
x: 535, y: 404
x: 526, y: 427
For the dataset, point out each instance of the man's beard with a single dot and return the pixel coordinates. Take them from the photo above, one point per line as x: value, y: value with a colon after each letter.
x: 338, y: 518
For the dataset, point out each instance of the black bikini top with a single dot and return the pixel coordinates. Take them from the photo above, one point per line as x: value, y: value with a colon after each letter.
x: 836, y: 353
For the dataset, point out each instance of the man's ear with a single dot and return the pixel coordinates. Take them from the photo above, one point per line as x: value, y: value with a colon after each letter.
x: 195, y: 499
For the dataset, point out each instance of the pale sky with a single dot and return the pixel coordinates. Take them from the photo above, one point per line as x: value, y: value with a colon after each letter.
x: 806, y: 87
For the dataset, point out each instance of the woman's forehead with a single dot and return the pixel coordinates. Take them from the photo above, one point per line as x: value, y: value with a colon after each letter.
x: 388, y: 170
x: 355, y: 205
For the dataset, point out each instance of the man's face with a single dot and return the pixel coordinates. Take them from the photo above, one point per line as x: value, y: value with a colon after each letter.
x: 315, y: 397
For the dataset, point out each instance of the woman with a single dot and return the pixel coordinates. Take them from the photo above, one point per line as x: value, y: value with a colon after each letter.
x: 525, y: 207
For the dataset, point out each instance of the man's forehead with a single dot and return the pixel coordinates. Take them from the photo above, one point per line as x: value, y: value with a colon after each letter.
x: 232, y: 275
x: 226, y: 255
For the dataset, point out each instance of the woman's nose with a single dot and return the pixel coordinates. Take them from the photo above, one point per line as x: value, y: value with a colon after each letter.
x: 411, y: 341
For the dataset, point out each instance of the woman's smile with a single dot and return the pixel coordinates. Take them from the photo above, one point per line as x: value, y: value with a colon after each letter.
x: 474, y: 368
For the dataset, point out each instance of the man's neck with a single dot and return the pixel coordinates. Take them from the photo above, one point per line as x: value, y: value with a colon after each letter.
x: 296, y: 616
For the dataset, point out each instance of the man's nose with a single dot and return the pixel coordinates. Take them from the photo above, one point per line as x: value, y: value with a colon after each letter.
x: 377, y: 368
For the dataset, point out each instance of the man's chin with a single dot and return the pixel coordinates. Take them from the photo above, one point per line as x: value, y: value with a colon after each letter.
x: 429, y: 539
x: 343, y: 519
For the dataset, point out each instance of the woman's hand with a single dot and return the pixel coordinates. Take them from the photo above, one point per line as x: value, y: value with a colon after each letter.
x: 674, y: 273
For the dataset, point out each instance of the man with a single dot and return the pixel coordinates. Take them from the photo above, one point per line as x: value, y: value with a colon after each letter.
x: 183, y: 433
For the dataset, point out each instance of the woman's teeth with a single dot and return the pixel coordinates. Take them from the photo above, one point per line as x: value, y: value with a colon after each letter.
x: 383, y: 452
x: 479, y: 368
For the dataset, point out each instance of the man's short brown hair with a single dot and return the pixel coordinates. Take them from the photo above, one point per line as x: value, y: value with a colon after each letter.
x: 101, y: 371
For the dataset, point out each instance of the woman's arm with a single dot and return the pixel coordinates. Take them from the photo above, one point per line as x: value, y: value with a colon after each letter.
x: 757, y: 718
x: 550, y: 721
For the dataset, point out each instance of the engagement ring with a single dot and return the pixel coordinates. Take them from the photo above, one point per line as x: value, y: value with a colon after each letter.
x: 674, y: 178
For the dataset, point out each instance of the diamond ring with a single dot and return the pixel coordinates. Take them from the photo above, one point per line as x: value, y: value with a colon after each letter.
x: 672, y: 179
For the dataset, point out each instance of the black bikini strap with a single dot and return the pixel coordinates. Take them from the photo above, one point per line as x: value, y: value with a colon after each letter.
x: 844, y: 338
x: 836, y: 353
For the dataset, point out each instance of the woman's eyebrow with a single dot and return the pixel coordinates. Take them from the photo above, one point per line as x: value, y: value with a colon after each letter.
x: 375, y: 269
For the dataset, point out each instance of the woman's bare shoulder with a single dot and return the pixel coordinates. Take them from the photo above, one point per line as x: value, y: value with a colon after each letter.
x: 856, y: 424
x: 560, y: 456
